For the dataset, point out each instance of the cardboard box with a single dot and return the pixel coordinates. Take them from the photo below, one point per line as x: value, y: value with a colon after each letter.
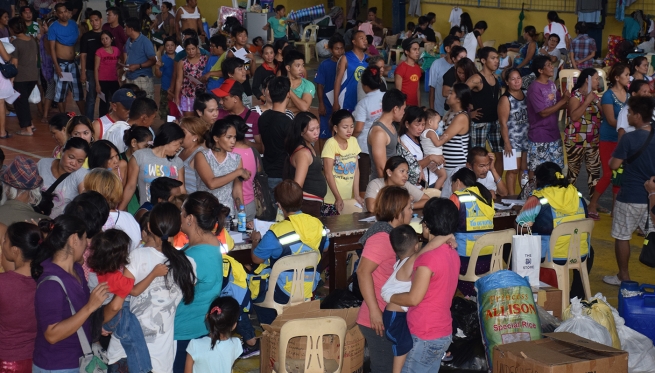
x: 549, y: 298
x: 353, y: 357
x: 559, y: 353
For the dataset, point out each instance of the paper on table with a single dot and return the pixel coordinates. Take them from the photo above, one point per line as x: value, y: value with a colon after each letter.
x: 237, y: 237
x: 179, y: 49
x: 10, y: 100
x: 102, y: 96
x: 370, y: 219
x: 193, y: 80
x: 513, y: 201
x: 500, y: 207
x: 66, y: 77
x: 509, y: 162
x: 170, y: 118
x: 262, y: 226
x: 241, y: 53
x: 330, y: 97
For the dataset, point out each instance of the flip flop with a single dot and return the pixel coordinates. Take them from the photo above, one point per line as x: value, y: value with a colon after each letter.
x: 19, y: 133
x: 602, y: 210
x: 594, y: 215
x: 8, y: 135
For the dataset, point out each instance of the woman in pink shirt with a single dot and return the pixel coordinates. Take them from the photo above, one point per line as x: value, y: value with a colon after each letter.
x: 433, y: 287
x: 249, y: 156
x: 105, y: 71
x: 393, y: 208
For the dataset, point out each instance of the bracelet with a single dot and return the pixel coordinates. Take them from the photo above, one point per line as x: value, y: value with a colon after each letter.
x: 499, y: 180
x: 651, y: 194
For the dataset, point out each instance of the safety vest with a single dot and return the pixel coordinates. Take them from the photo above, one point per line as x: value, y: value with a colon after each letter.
x: 549, y: 218
x: 235, y: 282
x: 475, y: 219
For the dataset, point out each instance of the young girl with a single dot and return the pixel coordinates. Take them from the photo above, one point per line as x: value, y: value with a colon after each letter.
x: 164, y: 71
x: 105, y: 71
x: 429, y: 139
x: 136, y: 138
x: 105, y: 154
x: 217, y: 352
x: 189, y: 72
x: 340, y: 166
x: 57, y: 126
x: 268, y: 68
x: 80, y: 126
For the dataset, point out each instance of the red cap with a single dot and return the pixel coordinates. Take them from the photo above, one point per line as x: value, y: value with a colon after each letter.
x: 230, y: 87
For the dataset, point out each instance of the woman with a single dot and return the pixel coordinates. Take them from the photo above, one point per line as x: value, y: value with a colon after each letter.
x: 268, y: 68
x: 57, y: 345
x: 189, y: 68
x: 106, y: 73
x: 188, y: 16
x: 69, y: 169
x: 527, y: 51
x: 455, y: 139
x: 107, y: 184
x: 104, y: 154
x: 200, y: 214
x: 18, y: 323
x: 375, y: 61
x: 555, y: 196
x: 375, y: 267
x: 474, y: 203
x: 513, y: 119
x: 638, y: 88
x: 148, y: 164
x: 155, y: 307
x: 433, y: 287
x: 136, y: 138
x: 251, y: 161
x: 613, y: 100
x: 80, y: 126
x: 220, y: 170
x: 194, y: 133
x: 305, y: 167
x: 26, y: 55
x: 279, y: 46
x: 268, y: 104
x: 639, y: 69
x: 466, y: 23
x: 144, y: 17
x: 581, y: 134
x: 409, y: 147
x: 6, y: 89
x: 465, y: 68
x: 206, y: 108
x: 396, y: 172
x: 57, y: 127
x: 4, y: 23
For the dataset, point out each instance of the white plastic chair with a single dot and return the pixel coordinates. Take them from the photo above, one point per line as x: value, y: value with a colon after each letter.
x: 308, y: 42
x: 313, y: 330
x: 432, y: 192
x: 497, y: 240
x: 298, y: 264
x: 489, y: 43
x: 570, y: 75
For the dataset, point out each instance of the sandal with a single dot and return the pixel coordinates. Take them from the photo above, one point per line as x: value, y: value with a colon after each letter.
x: 8, y: 135
x: 20, y: 133
x: 602, y: 210
x: 594, y: 215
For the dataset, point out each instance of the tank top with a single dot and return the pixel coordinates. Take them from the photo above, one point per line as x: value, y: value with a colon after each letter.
x: 348, y: 95
x: 456, y: 149
x: 190, y: 175
x: 315, y: 187
x: 390, y: 148
x: 105, y: 123
x: 517, y: 123
x: 187, y: 15
x: 486, y: 99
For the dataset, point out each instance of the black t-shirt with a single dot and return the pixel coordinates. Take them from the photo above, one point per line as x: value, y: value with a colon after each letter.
x: 273, y: 127
x: 449, y: 79
x: 429, y: 35
x: 89, y: 44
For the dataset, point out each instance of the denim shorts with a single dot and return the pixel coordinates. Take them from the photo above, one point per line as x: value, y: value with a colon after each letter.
x: 397, y: 331
x: 36, y: 369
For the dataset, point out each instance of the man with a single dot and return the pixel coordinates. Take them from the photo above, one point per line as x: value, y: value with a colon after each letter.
x: 349, y: 71
x: 274, y: 125
x: 550, y: 49
x: 230, y: 98
x: 382, y: 137
x: 142, y: 113
x: 423, y: 32
x: 583, y: 48
x: 121, y: 103
x: 456, y: 53
x: 473, y: 40
x: 62, y: 37
x: 555, y: 26
x: 302, y: 90
x: 631, y: 206
x: 278, y: 23
x: 89, y: 44
x: 115, y: 28
x: 233, y: 68
x: 437, y: 71
x: 162, y: 189
x: 408, y: 73
x: 324, y: 81
x: 544, y: 104
x: 485, y: 96
x: 32, y: 27
x: 139, y: 58
x: 455, y: 32
x: 480, y: 161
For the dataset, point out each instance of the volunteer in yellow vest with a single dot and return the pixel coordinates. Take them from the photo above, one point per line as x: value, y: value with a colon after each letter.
x: 555, y: 201
x: 298, y: 233
x: 476, y: 217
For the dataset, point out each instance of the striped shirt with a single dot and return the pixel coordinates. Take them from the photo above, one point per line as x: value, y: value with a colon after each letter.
x: 456, y: 149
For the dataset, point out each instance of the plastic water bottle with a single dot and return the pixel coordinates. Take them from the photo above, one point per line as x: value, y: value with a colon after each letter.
x: 242, y: 219
x: 524, y: 179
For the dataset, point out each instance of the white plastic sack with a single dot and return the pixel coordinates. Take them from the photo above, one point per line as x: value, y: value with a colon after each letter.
x: 526, y: 256
x: 584, y: 326
x: 322, y: 48
x: 35, y: 96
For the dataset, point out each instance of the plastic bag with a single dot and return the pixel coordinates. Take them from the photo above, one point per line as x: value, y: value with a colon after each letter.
x: 583, y: 325
x: 468, y: 355
x: 548, y: 322
x: 35, y: 96
x: 465, y: 316
x: 600, y: 312
x: 340, y: 299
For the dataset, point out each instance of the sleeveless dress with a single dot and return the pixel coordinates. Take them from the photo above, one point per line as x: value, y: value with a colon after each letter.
x: 188, y: 91
x: 390, y: 148
x: 191, y: 175
x: 229, y: 164
x: 456, y: 149
x: 517, y: 123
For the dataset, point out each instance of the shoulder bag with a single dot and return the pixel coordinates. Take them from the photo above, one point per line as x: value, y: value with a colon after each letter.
x: 263, y: 201
x: 45, y: 206
x: 617, y: 174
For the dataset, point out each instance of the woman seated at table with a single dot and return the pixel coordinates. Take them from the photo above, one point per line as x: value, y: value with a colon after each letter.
x: 476, y: 217
x: 555, y: 201
x: 396, y: 172
x: 298, y: 233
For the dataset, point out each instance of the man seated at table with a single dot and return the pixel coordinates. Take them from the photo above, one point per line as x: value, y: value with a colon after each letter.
x: 482, y: 163
x: 298, y: 233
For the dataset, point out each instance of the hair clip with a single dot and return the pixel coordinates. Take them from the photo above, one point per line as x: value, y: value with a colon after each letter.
x: 216, y: 310
x: 71, y: 114
x: 51, y: 225
x: 559, y: 175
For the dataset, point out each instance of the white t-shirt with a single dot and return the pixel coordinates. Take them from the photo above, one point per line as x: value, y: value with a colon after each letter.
x: 428, y: 146
x: 66, y: 191
x: 395, y: 286
x: 154, y: 308
x: 374, y: 186
x: 115, y: 135
x: 368, y: 111
x: 360, y: 89
x: 447, y: 189
x: 218, y: 360
x: 455, y: 17
x: 437, y: 71
x: 125, y: 222
x: 416, y: 151
x: 560, y: 30
x: 471, y: 45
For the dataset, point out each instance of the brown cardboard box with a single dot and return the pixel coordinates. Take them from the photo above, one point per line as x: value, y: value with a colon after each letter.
x: 549, y: 298
x: 559, y: 353
x: 353, y: 357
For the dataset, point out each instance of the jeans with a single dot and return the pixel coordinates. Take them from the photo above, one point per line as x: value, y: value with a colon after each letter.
x: 180, y: 356
x: 380, y: 349
x: 36, y: 369
x: 90, y: 95
x: 272, y: 183
x: 127, y: 330
x: 244, y: 326
x: 426, y: 355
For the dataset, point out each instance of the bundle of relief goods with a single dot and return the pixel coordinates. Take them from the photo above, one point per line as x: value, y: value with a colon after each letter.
x: 600, y: 312
x: 578, y: 322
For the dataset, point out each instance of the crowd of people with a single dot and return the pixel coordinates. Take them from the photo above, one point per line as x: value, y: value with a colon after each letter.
x: 118, y: 238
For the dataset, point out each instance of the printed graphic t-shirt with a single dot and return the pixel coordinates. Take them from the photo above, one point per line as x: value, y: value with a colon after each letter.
x: 411, y: 76
x: 152, y: 167
x: 343, y: 170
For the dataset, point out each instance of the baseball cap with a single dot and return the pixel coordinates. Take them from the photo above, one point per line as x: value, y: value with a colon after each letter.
x: 124, y: 96
x: 230, y: 87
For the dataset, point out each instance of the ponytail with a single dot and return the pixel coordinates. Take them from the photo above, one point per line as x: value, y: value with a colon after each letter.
x: 485, y: 193
x: 58, y: 232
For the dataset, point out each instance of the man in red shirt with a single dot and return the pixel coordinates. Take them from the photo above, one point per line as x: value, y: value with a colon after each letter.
x: 408, y: 73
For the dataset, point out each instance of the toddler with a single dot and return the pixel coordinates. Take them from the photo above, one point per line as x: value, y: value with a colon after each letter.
x: 505, y: 61
x: 429, y: 138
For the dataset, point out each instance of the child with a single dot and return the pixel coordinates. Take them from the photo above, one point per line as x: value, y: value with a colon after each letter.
x: 257, y: 44
x: 429, y: 138
x: 505, y: 61
x: 278, y: 23
x: 109, y: 253
x: 324, y: 81
x: 372, y: 50
x: 241, y: 49
x: 410, y: 31
x: 217, y: 352
x: 212, y: 74
x: 164, y: 70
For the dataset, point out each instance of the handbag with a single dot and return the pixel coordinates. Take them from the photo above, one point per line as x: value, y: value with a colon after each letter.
x: 647, y: 255
x: 45, y: 206
x: 617, y: 174
x: 526, y: 255
x: 8, y: 70
x: 91, y: 361
x: 265, y: 209
x: 35, y: 96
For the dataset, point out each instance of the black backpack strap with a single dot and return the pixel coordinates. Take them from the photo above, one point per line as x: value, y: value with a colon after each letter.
x: 633, y: 157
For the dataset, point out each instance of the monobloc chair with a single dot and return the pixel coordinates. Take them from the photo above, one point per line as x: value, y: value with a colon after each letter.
x: 603, y: 81
x: 308, y: 41
x: 497, y: 240
x: 574, y: 230
x: 298, y: 264
x: 432, y: 192
x: 313, y: 329
x: 489, y: 43
x: 568, y: 76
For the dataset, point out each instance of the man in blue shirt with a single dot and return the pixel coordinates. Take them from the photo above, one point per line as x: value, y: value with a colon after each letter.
x: 62, y: 37
x: 324, y: 80
x: 140, y: 57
